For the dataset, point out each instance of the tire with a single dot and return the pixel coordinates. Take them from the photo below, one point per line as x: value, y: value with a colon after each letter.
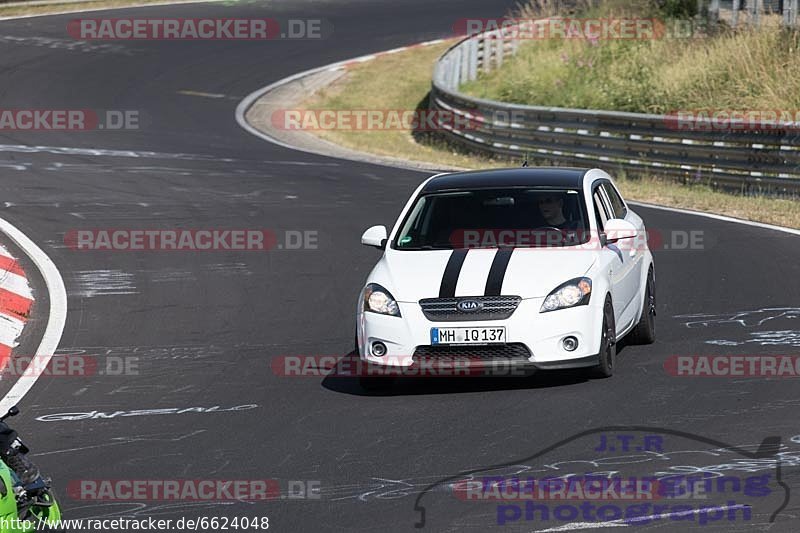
x: 608, y: 345
x: 645, y: 330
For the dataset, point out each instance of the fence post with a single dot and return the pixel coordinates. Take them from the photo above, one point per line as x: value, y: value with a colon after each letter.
x: 463, y: 60
x: 489, y: 62
x: 472, y: 60
x: 737, y: 5
x: 451, y: 73
x: 713, y: 12
x: 758, y: 8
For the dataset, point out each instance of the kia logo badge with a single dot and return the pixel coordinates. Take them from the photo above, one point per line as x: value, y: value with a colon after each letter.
x: 469, y: 306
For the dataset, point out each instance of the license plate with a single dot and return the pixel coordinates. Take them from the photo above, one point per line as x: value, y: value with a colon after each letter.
x: 468, y: 335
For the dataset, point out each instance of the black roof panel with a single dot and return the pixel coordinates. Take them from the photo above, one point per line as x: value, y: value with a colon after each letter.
x: 508, y: 177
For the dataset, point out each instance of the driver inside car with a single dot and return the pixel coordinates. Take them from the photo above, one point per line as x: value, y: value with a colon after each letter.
x: 552, y: 210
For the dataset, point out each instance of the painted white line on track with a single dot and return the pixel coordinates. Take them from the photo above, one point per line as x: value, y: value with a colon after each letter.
x: 17, y: 284
x: 103, y: 152
x: 10, y: 329
x: 722, y: 218
x: 16, y: 299
x: 57, y: 295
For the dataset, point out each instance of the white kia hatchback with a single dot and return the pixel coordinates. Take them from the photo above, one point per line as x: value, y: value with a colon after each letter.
x: 540, y: 268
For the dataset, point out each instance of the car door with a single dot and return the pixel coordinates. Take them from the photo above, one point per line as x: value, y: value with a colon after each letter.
x: 632, y: 255
x: 611, y: 258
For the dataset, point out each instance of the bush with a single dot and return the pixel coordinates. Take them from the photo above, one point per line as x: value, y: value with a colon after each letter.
x: 678, y: 8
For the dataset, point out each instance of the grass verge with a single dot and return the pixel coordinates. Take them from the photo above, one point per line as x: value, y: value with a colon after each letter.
x: 743, y: 70
x: 702, y: 66
x: 402, y: 80
x: 397, y: 81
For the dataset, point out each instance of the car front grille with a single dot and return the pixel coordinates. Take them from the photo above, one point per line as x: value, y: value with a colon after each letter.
x: 490, y: 352
x: 491, y: 308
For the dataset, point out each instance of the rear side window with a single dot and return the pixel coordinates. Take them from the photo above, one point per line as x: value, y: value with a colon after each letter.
x: 617, y: 206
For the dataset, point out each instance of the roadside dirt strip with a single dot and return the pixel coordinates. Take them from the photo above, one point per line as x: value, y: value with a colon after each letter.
x: 255, y: 113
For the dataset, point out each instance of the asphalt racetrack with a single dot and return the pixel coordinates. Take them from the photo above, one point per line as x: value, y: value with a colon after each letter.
x: 203, y: 328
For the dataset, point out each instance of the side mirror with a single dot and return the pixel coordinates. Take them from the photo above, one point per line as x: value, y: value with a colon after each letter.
x: 617, y: 229
x: 375, y: 237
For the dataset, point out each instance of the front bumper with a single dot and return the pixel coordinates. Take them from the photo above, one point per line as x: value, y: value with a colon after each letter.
x: 539, y: 333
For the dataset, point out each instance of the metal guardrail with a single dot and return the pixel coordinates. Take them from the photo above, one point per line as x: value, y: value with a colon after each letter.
x: 755, y: 162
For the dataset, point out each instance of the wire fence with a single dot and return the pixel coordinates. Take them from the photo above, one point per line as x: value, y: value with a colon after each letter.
x: 752, y: 12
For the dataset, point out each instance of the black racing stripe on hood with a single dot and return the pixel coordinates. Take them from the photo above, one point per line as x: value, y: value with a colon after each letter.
x: 497, y: 272
x: 451, y: 272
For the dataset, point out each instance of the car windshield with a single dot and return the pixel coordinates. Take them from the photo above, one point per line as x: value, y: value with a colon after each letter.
x: 491, y: 218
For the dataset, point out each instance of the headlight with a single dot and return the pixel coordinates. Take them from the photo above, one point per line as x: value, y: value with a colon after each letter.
x: 379, y: 300
x: 570, y: 294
